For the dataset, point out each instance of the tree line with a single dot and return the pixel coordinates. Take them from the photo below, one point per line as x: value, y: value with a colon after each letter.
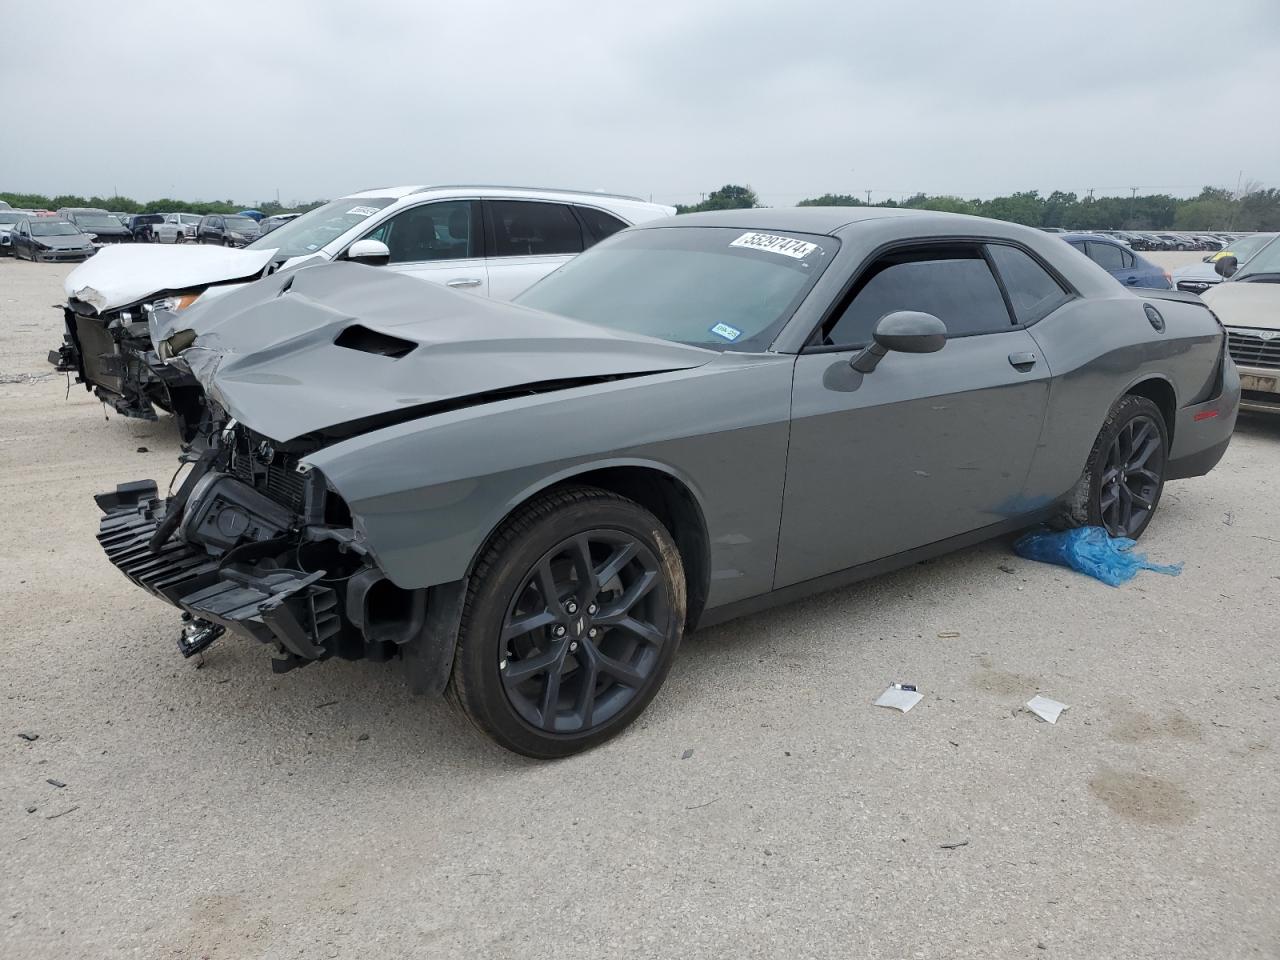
x: 37, y: 201
x: 1215, y: 208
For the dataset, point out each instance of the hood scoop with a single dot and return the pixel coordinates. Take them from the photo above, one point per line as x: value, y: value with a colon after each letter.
x: 359, y: 337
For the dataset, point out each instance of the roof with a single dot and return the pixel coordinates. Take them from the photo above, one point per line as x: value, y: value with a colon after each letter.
x: 1090, y: 236
x: 405, y: 191
x: 825, y: 220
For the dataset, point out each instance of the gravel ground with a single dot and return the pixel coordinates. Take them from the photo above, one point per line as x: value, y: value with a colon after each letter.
x: 211, y: 809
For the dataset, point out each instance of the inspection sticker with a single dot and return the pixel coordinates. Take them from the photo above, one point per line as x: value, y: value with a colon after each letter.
x: 726, y: 331
x: 362, y: 211
x: 799, y: 249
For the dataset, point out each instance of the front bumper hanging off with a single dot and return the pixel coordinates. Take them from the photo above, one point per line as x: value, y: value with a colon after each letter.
x: 289, y: 608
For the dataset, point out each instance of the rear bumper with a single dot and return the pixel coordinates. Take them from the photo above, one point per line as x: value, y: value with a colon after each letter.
x: 1202, y: 431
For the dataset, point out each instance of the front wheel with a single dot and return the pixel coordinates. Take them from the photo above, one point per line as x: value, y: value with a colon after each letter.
x: 1124, y: 476
x: 572, y: 620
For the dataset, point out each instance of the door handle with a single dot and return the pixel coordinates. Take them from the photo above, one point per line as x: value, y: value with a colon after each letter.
x: 1130, y: 280
x: 464, y: 282
x: 1022, y: 361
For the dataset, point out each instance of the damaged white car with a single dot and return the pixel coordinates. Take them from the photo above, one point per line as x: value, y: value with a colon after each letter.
x: 492, y: 241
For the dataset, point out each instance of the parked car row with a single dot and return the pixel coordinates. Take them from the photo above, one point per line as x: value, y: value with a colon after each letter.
x: 103, y: 227
x: 1149, y: 241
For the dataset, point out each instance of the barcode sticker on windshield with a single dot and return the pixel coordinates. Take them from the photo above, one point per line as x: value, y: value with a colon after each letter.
x: 362, y: 211
x: 799, y: 249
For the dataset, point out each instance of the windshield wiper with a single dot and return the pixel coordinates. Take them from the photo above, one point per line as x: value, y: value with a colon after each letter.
x: 1269, y: 277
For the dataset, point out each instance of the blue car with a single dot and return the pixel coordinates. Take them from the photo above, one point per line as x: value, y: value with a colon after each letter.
x: 1119, y: 261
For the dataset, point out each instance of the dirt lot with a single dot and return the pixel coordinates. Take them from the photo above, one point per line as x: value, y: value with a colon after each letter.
x: 211, y: 809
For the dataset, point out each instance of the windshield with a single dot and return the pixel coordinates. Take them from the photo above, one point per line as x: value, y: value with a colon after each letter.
x: 1246, y: 247
x: 716, y: 287
x: 96, y: 220
x: 311, y: 231
x: 53, y: 228
x: 242, y: 224
x: 7, y: 217
x: 1265, y: 261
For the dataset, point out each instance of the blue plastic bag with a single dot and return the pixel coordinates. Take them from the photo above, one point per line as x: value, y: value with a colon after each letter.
x: 1090, y: 550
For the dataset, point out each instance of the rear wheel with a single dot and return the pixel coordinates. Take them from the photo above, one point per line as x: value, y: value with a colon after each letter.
x: 571, y: 623
x: 1124, y: 476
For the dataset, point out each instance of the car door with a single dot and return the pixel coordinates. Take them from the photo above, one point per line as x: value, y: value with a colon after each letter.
x: 20, y: 237
x: 526, y: 240
x: 927, y: 446
x: 441, y: 242
x: 1110, y: 258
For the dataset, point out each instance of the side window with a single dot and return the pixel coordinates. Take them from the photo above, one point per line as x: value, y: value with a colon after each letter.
x: 1078, y: 244
x: 1126, y: 258
x: 953, y: 283
x: 599, y: 224
x: 1105, y: 255
x: 1031, y: 288
x: 444, y: 230
x: 523, y: 228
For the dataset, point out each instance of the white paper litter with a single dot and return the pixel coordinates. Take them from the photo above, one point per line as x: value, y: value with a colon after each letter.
x: 898, y: 699
x: 1046, y: 709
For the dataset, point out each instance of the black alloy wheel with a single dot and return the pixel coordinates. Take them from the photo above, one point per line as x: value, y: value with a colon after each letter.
x: 573, y: 616
x: 1124, y: 475
x: 1132, y: 477
x: 584, y: 632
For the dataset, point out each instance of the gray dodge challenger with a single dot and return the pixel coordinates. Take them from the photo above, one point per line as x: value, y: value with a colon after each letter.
x: 529, y: 504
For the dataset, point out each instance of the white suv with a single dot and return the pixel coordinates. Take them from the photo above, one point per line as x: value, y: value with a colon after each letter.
x: 494, y: 241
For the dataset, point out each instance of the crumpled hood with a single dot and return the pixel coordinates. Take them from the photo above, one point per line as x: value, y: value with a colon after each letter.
x: 122, y: 275
x: 1240, y: 304
x: 333, y: 343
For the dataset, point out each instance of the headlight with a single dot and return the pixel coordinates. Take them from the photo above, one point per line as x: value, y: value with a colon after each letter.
x: 176, y: 303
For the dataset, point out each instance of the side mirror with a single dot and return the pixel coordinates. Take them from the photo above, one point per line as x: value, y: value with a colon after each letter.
x: 1226, y: 266
x: 372, y: 252
x: 905, y: 331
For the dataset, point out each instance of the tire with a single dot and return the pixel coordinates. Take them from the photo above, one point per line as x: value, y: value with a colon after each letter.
x: 1111, y: 477
x: 550, y: 679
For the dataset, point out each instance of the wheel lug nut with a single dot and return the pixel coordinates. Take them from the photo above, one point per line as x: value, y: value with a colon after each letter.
x: 592, y: 609
x: 592, y: 632
x: 559, y: 631
x: 571, y: 607
x: 573, y: 646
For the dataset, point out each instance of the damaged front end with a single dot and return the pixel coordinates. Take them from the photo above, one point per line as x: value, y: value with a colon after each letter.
x: 256, y: 544
x: 112, y: 355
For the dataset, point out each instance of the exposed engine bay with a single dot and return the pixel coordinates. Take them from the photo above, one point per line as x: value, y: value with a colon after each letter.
x: 256, y: 543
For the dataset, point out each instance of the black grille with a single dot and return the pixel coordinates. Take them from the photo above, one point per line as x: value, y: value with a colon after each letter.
x: 1250, y: 350
x: 97, y: 351
x: 278, y: 479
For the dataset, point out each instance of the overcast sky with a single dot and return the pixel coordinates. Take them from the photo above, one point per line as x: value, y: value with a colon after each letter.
x: 232, y: 99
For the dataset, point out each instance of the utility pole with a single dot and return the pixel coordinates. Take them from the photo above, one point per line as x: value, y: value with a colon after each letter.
x: 868, y: 198
x: 1133, y: 198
